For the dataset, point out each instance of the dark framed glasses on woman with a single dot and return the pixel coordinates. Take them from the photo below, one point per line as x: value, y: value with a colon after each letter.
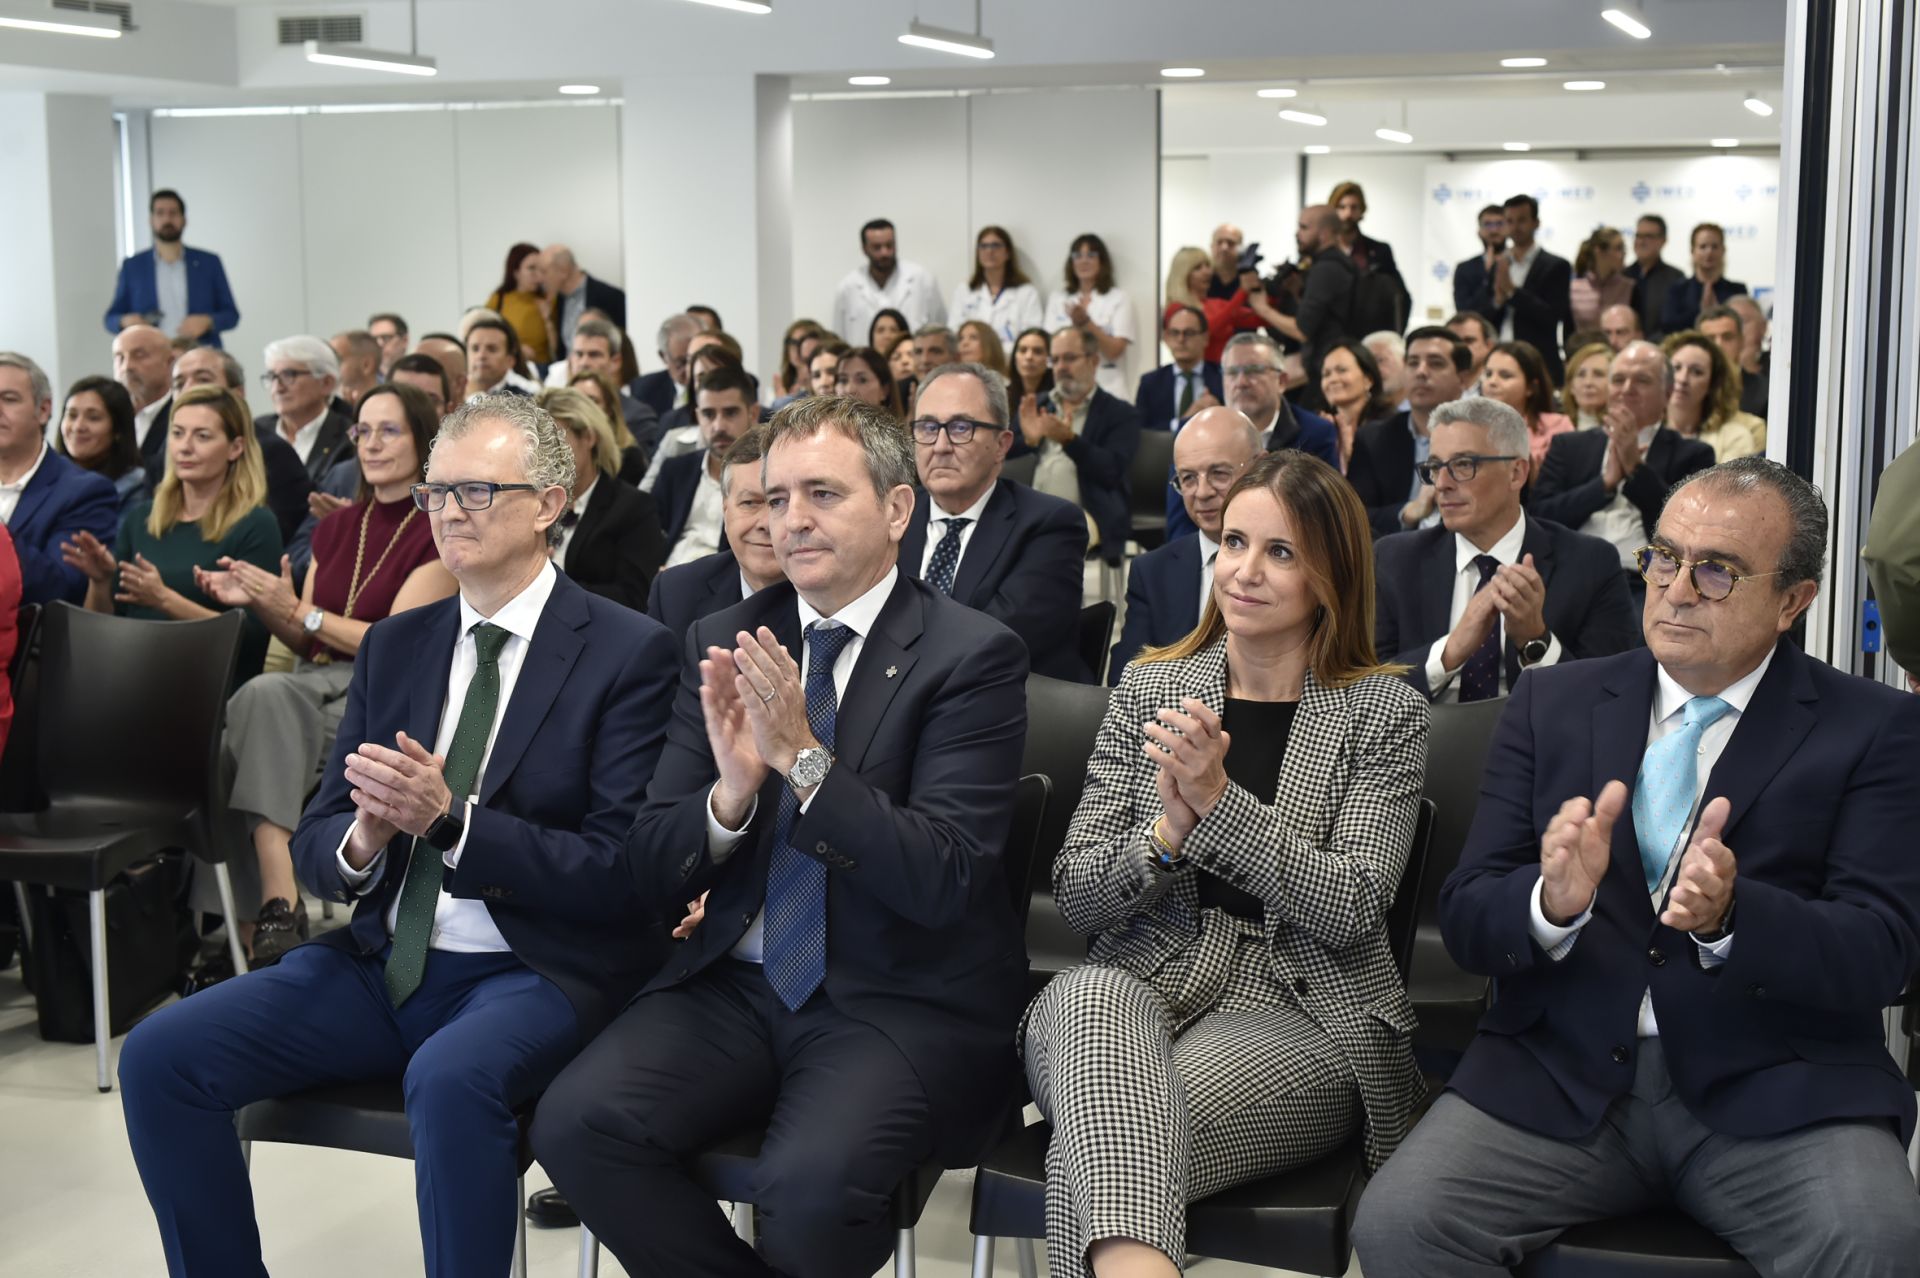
x: 473, y: 495
x: 1463, y: 468
x: 1712, y: 579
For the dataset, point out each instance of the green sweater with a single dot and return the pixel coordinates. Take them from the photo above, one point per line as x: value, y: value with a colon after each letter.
x: 254, y: 538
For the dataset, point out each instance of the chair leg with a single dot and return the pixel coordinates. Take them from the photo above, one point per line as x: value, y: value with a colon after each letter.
x: 97, y: 934
x: 983, y: 1256
x: 26, y: 916
x: 224, y: 882
x: 903, y: 1254
x: 589, y: 1254
x: 520, y: 1228
x: 1023, y: 1252
x: 326, y: 909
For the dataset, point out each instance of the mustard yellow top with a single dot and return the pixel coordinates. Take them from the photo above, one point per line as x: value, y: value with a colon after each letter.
x: 528, y: 316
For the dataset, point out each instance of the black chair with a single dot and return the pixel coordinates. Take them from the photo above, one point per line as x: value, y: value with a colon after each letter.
x: 1300, y: 1219
x: 1062, y: 721
x: 1147, y: 480
x: 1450, y: 1001
x: 128, y: 765
x: 726, y: 1170
x: 1096, y: 637
x: 369, y: 1118
x: 1656, y: 1244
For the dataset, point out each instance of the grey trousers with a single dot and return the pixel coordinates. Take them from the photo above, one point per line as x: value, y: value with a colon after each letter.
x: 1150, y: 1112
x: 1468, y: 1194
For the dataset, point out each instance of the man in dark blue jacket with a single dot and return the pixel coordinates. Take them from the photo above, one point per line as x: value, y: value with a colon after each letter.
x: 1691, y: 872
x: 179, y: 290
x: 1170, y: 395
x: 44, y: 498
x: 1256, y: 375
x: 495, y: 748
x: 683, y: 594
x: 687, y: 492
x: 1085, y: 439
x: 1525, y: 292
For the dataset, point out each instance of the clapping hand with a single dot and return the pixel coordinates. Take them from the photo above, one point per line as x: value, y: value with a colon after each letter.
x: 1575, y: 852
x: 404, y: 789
x: 730, y: 737
x: 320, y: 504
x: 769, y: 687
x: 1703, y: 889
x: 86, y: 553
x: 696, y: 911
x: 222, y: 585
x: 141, y: 584
x: 1201, y: 403
x: 270, y: 594
x: 1521, y: 596
x: 1077, y: 312
x: 1190, y: 746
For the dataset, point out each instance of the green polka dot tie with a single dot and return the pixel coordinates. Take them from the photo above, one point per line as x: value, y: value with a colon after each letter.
x: 420, y: 894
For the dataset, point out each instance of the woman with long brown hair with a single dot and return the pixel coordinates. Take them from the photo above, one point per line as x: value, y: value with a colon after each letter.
x: 1705, y: 403
x: 1516, y: 375
x: 522, y: 301
x: 1240, y: 970
x: 998, y: 292
x: 863, y: 374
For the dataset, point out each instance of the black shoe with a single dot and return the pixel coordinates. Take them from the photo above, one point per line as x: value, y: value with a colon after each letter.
x: 546, y: 1209
x: 279, y: 928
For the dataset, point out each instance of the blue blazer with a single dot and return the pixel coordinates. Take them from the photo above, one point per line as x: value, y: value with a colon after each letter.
x: 1680, y: 308
x: 1024, y: 567
x: 1308, y: 432
x: 136, y: 292
x: 1567, y: 488
x: 1163, y: 601
x: 1541, y: 307
x: 673, y: 491
x: 1785, y: 1034
x: 1102, y: 453
x: 575, y: 748
x: 60, y: 500
x: 657, y: 390
x: 1587, y: 606
x: 1155, y: 400
x: 911, y: 822
x: 684, y: 593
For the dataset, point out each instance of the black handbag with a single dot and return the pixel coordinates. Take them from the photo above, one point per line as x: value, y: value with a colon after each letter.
x: 150, y: 941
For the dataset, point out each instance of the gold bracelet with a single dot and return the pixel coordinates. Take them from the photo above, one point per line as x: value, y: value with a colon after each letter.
x: 1168, y: 853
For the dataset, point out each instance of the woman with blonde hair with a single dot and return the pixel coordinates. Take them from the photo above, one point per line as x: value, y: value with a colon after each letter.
x: 211, y: 505
x: 1705, y: 403
x: 979, y: 344
x: 1585, y: 396
x: 1598, y: 277
x: 1233, y: 861
x: 1187, y: 282
x: 609, y: 538
x: 598, y: 387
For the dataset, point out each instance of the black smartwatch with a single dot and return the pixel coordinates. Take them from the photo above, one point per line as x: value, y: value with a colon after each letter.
x: 444, y: 834
x: 1534, y: 651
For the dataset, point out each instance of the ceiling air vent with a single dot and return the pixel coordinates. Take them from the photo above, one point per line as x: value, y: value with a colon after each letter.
x: 119, y: 9
x: 327, y: 28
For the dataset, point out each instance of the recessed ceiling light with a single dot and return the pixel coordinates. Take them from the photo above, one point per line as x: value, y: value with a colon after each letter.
x: 1627, y: 22
x: 1516, y: 146
x: 1757, y: 105
x: 1276, y: 93
x: 579, y: 90
x: 738, y: 6
x: 1316, y: 149
x: 1725, y: 142
x: 923, y: 35
x: 1523, y: 62
x: 1393, y: 135
x: 1303, y: 117
x: 1183, y: 73
x: 869, y: 81
x: 1584, y: 86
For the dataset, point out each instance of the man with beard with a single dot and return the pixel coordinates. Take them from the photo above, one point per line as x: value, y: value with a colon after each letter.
x: 179, y: 290
x: 1085, y: 439
x: 689, y: 494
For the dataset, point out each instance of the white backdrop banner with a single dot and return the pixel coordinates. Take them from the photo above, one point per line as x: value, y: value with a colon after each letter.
x: 1741, y: 192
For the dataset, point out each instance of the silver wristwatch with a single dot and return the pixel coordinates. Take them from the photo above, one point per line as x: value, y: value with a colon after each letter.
x: 312, y: 622
x: 809, y: 768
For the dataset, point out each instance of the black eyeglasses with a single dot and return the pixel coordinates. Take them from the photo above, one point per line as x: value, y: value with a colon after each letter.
x: 959, y: 430
x: 1219, y: 478
x: 1186, y: 332
x: 1712, y: 580
x: 474, y: 494
x: 1463, y: 468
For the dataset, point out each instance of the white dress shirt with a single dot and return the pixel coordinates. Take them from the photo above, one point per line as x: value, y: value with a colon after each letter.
x: 911, y: 290
x: 10, y: 493
x: 1669, y: 700
x: 1009, y: 312
x: 1208, y: 549
x: 464, y: 926
x: 170, y: 292
x: 937, y: 530
x: 676, y: 442
x: 858, y: 616
x: 143, y: 420
x: 1111, y: 313
x: 700, y: 535
x: 1466, y: 580
x: 303, y: 439
x: 579, y: 508
x: 1517, y: 270
x: 1619, y: 520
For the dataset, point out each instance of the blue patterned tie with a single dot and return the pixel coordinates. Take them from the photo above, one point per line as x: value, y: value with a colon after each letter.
x: 795, y: 951
x: 1663, y: 792
x: 1480, y: 677
x: 946, y: 556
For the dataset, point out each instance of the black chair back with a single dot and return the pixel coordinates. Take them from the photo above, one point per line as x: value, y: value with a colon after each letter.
x: 1096, y: 637
x: 1147, y: 481
x: 1020, y: 469
x: 1403, y: 916
x: 1062, y: 721
x: 1030, y: 799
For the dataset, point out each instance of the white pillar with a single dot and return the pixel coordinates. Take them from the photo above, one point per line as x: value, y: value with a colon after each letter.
x: 57, y: 247
x: 706, y: 177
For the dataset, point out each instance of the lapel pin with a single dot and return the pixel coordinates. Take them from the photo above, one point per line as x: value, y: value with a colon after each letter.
x: 892, y: 671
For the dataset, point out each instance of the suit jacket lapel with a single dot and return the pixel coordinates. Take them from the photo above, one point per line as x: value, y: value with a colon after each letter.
x: 886, y: 662
x: 1186, y: 561
x: 36, y: 492
x: 590, y: 520
x: 1436, y: 586
x: 543, y: 670
x: 430, y: 690
x: 1619, y: 741
x: 725, y: 581
x: 1660, y: 451
x: 1776, y: 721
x: 984, y: 546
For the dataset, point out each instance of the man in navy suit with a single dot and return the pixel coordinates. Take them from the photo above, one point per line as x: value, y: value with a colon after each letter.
x: 1467, y: 605
x: 179, y: 290
x: 1474, y: 274
x: 665, y: 387
x: 683, y: 594
x: 687, y: 492
x: 1167, y: 588
x: 1692, y: 972
x: 1017, y: 555
x: 1526, y: 293
x: 1085, y: 439
x: 1256, y: 377
x: 495, y: 748
x: 856, y: 981
x: 1171, y: 394
x: 44, y: 498
x: 1385, y: 452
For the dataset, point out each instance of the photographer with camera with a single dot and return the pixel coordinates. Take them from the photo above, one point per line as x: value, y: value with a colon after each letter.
x: 1326, y: 296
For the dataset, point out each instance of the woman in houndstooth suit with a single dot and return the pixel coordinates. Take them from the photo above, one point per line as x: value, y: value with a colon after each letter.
x: 1246, y: 816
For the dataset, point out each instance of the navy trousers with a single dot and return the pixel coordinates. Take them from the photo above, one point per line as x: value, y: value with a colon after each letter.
x: 686, y: 1067
x: 482, y: 1035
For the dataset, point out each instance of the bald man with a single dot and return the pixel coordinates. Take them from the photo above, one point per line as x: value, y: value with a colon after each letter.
x: 143, y: 364
x: 1168, y: 588
x: 1325, y: 313
x: 579, y: 292
x: 1621, y: 324
x: 1227, y: 242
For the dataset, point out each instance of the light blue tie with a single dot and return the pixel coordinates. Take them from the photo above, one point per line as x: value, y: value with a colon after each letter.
x: 1663, y: 793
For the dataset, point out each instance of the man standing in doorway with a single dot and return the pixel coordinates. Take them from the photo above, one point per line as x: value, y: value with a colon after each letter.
x: 179, y: 290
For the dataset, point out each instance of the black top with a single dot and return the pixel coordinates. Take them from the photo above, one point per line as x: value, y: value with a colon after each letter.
x: 1260, y: 730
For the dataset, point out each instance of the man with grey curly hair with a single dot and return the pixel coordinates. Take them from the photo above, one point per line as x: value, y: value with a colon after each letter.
x: 494, y: 750
x: 302, y: 376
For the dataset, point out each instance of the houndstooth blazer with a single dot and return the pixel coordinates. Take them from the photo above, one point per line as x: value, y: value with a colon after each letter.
x: 1324, y: 859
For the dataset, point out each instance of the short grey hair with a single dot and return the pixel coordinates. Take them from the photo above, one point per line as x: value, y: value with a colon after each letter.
x: 998, y: 411
x: 884, y: 441
x: 681, y: 325
x: 1388, y: 338
x: 1507, y: 427
x: 1089, y: 344
x: 236, y: 375
x: 306, y: 350
x: 1241, y: 341
x: 1805, y: 558
x: 36, y: 376
x: 605, y: 330
x: 545, y: 454
x: 937, y: 330
x: 1666, y: 363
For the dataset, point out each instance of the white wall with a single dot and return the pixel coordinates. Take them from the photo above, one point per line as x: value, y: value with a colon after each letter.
x: 322, y: 219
